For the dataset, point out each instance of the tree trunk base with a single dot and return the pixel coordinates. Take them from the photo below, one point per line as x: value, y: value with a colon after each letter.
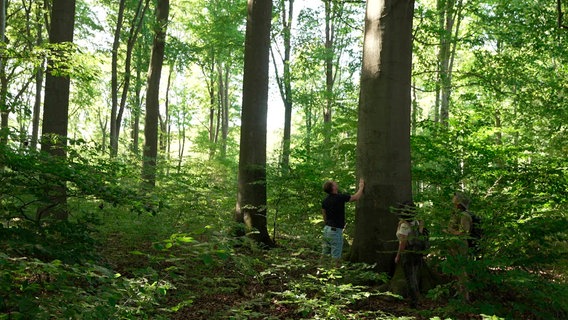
x: 428, y: 280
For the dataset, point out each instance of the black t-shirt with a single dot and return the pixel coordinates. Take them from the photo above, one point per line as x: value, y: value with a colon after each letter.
x: 334, y: 206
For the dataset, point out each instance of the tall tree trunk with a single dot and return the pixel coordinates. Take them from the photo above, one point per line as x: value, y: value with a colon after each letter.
x: 153, y: 94
x: 224, y: 70
x: 137, y: 109
x: 4, y: 109
x: 135, y: 27
x: 383, y: 141
x: 251, y: 198
x: 329, y: 79
x: 181, y: 139
x: 209, y: 73
x: 38, y: 82
x: 168, y: 116
x: 212, y: 109
x: 119, y: 106
x: 309, y: 129
x: 114, y: 78
x: 56, y: 103
x: 103, y: 124
x: 37, y: 107
x: 135, y: 134
x: 449, y: 19
x: 285, y: 82
x: 165, y: 120
x: 415, y: 112
x: 218, y: 112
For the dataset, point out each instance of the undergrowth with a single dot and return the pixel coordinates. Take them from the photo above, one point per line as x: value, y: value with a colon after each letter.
x: 170, y: 255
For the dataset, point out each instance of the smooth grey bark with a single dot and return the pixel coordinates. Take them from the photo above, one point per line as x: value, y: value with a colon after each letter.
x: 383, y: 138
x: 251, y: 197
x: 150, y: 152
x: 56, y: 101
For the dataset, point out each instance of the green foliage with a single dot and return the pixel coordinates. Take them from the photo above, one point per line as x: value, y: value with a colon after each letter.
x: 42, y: 290
x: 51, y: 267
x: 179, y: 257
x: 29, y: 177
x: 70, y: 242
x: 519, y: 194
x: 325, y: 294
x: 510, y: 292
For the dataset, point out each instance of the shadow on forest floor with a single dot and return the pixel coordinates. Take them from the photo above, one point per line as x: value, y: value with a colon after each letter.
x: 215, y: 280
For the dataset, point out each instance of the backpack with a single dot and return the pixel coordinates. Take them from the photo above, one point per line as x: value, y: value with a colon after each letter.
x: 475, y: 233
x: 418, y: 241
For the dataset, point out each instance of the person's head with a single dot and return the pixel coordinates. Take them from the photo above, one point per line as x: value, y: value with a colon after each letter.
x: 330, y: 187
x: 460, y: 201
x: 406, y: 210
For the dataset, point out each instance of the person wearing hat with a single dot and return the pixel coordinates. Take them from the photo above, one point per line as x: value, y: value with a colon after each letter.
x: 409, y: 253
x: 459, y: 227
x: 460, y: 223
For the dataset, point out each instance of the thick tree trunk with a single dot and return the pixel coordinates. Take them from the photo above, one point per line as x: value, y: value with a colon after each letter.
x: 56, y: 104
x: 153, y: 94
x: 427, y: 280
x: 251, y: 198
x: 383, y: 156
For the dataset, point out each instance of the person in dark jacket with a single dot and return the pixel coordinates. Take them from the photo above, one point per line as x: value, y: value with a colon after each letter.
x: 333, y: 211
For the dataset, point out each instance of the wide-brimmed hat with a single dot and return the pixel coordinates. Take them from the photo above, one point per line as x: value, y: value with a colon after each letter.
x: 461, y: 200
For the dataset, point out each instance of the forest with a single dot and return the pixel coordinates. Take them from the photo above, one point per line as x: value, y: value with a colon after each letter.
x: 166, y: 159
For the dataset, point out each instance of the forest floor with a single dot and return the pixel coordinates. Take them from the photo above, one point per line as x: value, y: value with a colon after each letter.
x: 249, y: 283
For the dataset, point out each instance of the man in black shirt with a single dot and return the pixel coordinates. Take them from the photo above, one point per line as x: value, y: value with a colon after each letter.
x: 333, y: 210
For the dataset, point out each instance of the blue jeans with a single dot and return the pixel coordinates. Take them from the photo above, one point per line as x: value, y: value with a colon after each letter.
x: 332, y: 242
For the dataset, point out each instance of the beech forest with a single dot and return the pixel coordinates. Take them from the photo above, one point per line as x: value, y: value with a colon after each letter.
x: 283, y: 159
